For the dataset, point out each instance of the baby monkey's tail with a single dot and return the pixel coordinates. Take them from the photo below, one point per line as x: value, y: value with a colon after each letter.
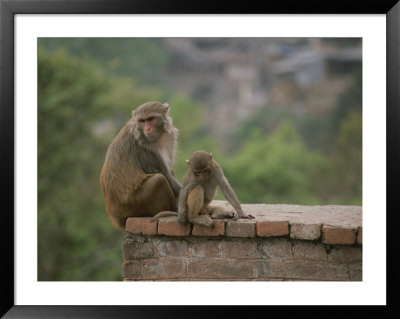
x: 163, y: 214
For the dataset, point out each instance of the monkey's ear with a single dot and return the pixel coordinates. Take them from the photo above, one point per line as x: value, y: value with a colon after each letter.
x: 165, y: 107
x: 211, y: 155
x: 187, y: 161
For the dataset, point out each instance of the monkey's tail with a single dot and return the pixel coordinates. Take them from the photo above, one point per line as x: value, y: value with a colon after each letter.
x: 163, y: 214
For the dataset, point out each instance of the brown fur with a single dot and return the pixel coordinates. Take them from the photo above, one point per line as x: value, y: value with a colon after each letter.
x: 199, y: 189
x: 137, y: 178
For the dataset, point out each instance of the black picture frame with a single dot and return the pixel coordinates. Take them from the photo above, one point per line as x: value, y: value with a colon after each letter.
x: 8, y: 10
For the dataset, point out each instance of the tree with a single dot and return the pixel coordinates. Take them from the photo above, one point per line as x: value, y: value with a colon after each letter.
x: 347, y: 159
x: 275, y: 169
x: 70, y: 224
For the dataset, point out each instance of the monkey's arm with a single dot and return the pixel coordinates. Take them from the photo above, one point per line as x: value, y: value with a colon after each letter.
x: 172, y: 180
x: 160, y: 167
x: 152, y: 163
x: 231, y: 196
x: 170, y: 175
x: 175, y: 185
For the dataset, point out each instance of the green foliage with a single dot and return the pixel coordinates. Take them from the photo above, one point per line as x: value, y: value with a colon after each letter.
x: 72, y: 223
x: 140, y: 59
x: 347, y: 159
x: 348, y: 101
x: 274, y: 168
x: 315, y: 130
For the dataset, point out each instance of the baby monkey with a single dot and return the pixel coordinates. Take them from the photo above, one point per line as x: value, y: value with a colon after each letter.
x: 199, y: 189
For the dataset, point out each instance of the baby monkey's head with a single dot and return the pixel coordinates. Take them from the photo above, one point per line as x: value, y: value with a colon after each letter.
x: 201, y: 165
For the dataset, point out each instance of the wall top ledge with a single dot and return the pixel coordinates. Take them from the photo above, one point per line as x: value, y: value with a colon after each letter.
x: 330, y: 224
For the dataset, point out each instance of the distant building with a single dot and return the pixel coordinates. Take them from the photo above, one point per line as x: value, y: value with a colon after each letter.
x: 234, y: 77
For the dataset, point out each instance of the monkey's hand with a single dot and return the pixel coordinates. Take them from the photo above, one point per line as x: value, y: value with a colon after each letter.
x: 247, y: 216
x: 241, y: 214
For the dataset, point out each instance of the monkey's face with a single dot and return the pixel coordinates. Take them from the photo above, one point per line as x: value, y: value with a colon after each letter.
x: 151, y: 126
x: 201, y: 164
x: 202, y: 174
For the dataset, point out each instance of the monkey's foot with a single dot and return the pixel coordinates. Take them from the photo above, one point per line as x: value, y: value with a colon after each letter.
x: 222, y: 214
x: 204, y: 220
x: 205, y: 211
x: 230, y: 215
x: 219, y: 212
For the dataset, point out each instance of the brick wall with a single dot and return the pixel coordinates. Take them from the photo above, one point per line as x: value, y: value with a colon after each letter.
x: 284, y: 242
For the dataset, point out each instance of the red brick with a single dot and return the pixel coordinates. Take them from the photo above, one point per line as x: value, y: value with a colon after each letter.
x: 137, y: 250
x: 309, y: 250
x: 205, y: 248
x: 302, y: 270
x: 222, y: 269
x: 267, y: 228
x: 338, y: 235
x: 241, y: 228
x: 359, y: 235
x: 172, y: 248
x: 239, y: 249
x: 346, y: 254
x: 155, y: 269
x: 305, y: 231
x: 171, y: 227
x: 276, y: 249
x: 141, y: 225
x: 218, y: 230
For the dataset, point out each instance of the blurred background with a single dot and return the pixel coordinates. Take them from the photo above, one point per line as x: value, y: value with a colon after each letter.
x: 283, y: 117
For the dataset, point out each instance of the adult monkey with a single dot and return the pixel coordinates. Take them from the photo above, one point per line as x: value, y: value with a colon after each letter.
x: 137, y: 178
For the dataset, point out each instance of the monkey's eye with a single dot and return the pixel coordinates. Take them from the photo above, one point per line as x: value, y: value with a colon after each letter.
x: 202, y: 172
x: 141, y: 121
